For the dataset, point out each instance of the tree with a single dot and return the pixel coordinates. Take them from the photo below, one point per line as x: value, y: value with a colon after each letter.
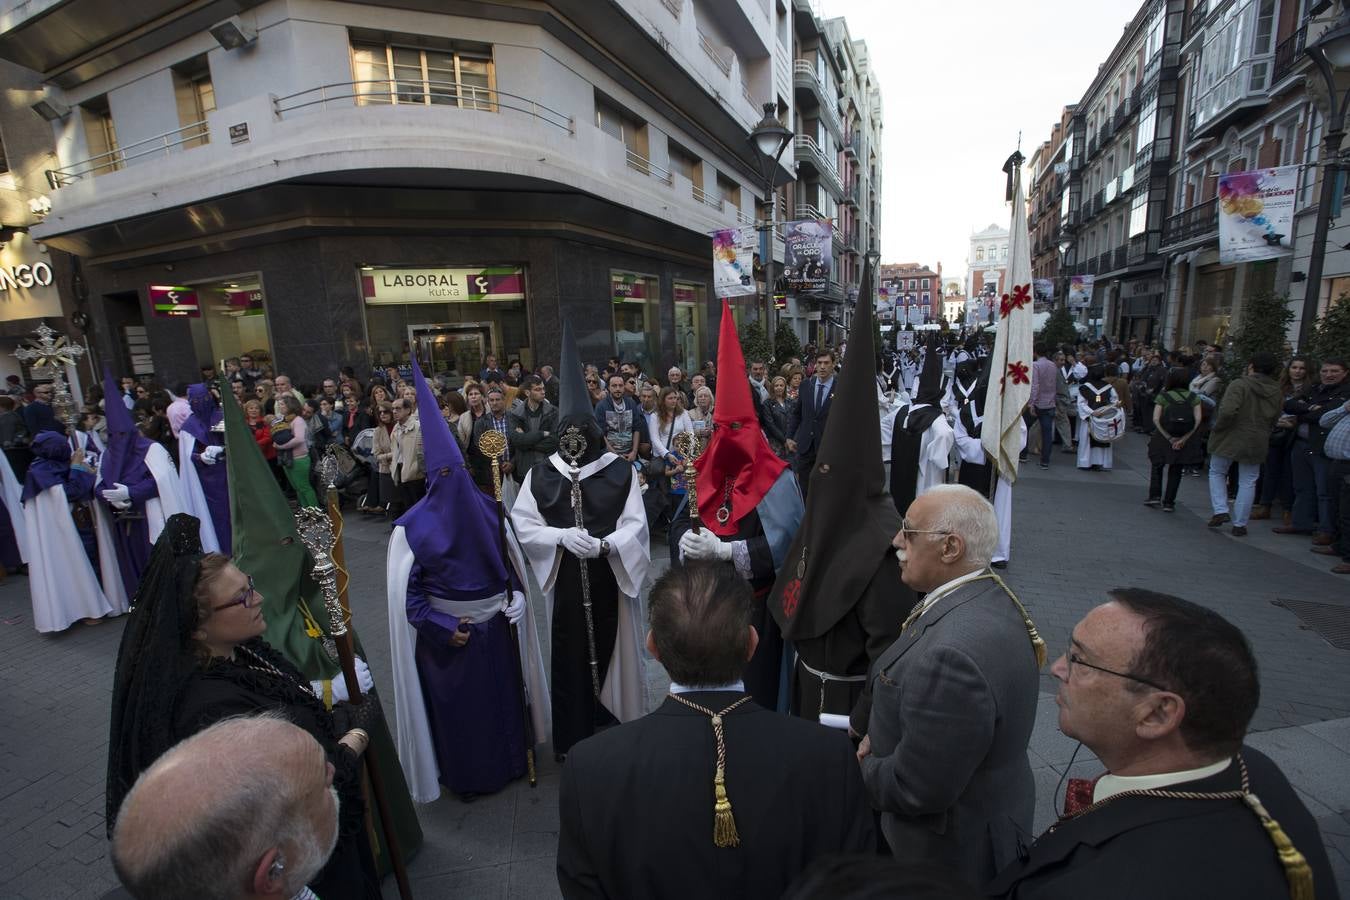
x: 754, y: 344
x: 1059, y: 329
x: 785, y: 343
x: 1262, y: 327
x: 1331, y: 337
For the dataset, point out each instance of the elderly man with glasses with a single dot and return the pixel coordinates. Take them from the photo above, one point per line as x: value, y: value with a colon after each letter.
x: 954, y: 698
x: 1162, y: 692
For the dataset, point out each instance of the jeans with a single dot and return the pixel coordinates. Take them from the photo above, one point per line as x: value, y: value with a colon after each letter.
x: 1278, y: 481
x: 1312, y: 500
x: 1155, y: 483
x: 1046, y: 417
x: 1218, y: 488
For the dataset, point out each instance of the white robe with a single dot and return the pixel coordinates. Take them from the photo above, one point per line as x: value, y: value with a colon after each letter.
x: 12, y: 493
x: 624, y: 692
x: 157, y: 512
x: 1089, y: 455
x: 412, y: 735
x: 194, y: 499
x: 972, y: 451
x: 60, y: 577
x: 935, y: 451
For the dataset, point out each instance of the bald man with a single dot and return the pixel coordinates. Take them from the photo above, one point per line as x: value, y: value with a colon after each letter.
x: 243, y: 809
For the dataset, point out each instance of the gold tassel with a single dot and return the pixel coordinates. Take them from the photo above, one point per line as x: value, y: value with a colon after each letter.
x: 1296, y: 869
x: 1037, y: 642
x: 724, y: 824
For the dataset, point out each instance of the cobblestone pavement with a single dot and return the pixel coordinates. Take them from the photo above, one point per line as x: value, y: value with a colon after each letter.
x: 1078, y: 535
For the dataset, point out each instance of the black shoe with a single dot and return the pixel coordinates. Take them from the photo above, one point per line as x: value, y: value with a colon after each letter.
x: 1022, y: 458
x: 1239, y: 531
x: 1153, y: 501
x: 1043, y: 465
x: 1169, y: 507
x: 1220, y: 519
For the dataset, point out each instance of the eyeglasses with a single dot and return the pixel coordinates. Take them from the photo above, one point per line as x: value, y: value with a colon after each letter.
x: 906, y: 529
x: 1073, y: 659
x: 243, y: 598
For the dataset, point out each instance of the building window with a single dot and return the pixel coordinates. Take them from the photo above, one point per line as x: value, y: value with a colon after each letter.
x: 1003, y: 252
x: 913, y: 284
x: 925, y: 284
x: 194, y: 96
x: 684, y: 162
x: 395, y: 73
x: 729, y: 191
x: 1139, y: 214
x: 979, y: 254
x: 691, y: 321
x: 637, y: 319
x: 625, y: 128
x: 100, y: 135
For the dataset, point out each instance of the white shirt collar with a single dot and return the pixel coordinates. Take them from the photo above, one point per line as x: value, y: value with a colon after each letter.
x: 1109, y: 785
x: 676, y: 688
x: 932, y: 597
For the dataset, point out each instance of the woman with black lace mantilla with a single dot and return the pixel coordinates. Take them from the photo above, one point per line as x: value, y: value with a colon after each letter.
x: 191, y: 655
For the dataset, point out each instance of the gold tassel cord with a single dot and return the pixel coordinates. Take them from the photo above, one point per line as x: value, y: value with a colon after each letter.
x: 724, y: 823
x: 1296, y: 868
x: 1037, y: 642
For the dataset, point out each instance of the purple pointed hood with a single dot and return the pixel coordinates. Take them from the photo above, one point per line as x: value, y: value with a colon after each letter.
x: 126, y: 445
x: 453, y: 530
x: 205, y: 413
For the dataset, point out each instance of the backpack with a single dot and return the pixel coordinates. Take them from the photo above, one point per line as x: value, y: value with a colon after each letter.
x: 1178, y: 415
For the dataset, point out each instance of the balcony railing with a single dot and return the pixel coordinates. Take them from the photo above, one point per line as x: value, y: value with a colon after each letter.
x: 807, y: 211
x: 1288, y: 53
x: 162, y: 144
x: 1118, y: 262
x: 1198, y: 221
x: 851, y: 144
x: 805, y: 72
x: 714, y: 54
x: 426, y: 94
x: 647, y: 167
x: 805, y: 146
x: 707, y: 199
x: 1104, y: 263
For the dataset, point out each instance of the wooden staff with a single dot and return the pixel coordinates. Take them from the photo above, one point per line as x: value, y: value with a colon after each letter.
x: 492, y: 444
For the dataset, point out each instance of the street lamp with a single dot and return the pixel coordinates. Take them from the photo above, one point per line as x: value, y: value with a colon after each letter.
x: 1065, y: 245
x: 769, y: 139
x: 1329, y: 52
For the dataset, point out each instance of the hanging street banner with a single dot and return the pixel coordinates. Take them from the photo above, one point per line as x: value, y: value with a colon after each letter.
x: 1044, y: 288
x: 734, y: 262
x: 1256, y: 214
x: 173, y: 301
x: 1080, y: 291
x: 808, y: 254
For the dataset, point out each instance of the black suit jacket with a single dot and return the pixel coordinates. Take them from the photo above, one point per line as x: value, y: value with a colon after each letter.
x: 807, y: 424
x: 1136, y: 847
x: 636, y: 804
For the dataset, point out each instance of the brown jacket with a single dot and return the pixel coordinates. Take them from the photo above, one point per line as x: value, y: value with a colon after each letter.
x: 408, y: 464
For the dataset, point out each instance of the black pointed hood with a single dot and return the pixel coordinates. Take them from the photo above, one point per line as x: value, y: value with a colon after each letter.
x: 846, y: 532
x: 574, y: 401
x: 929, y: 386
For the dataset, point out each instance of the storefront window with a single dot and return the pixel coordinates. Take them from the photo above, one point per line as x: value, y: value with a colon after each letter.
x: 226, y: 317
x: 454, y: 317
x: 1213, y: 305
x: 691, y: 319
x: 637, y: 322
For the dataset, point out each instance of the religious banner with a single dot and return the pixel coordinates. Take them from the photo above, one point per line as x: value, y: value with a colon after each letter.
x: 1256, y: 214
x: 807, y: 254
x: 734, y: 262
x: 1080, y: 291
x: 173, y: 301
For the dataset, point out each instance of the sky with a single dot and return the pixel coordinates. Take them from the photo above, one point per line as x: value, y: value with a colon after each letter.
x: 958, y: 82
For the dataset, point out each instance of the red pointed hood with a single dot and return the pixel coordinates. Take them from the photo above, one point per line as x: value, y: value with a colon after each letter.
x: 737, y: 450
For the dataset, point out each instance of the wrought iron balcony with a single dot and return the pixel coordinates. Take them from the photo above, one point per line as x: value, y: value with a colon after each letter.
x: 1196, y: 222
x: 1288, y: 53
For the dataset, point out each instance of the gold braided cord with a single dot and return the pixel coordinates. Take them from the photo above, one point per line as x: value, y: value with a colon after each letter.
x: 1296, y: 869
x: 1037, y: 642
x: 724, y: 824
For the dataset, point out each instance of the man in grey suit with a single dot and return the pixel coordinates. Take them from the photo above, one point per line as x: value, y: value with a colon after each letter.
x: 954, y: 698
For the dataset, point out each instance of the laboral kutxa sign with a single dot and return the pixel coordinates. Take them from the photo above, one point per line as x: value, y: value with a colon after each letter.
x: 470, y: 285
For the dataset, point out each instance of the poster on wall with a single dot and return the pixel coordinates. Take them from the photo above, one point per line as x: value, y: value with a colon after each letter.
x: 174, y: 301
x: 807, y: 254
x: 1256, y: 214
x: 734, y: 262
x: 1080, y: 291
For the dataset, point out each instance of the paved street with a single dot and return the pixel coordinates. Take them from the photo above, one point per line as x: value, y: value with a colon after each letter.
x: 1078, y: 534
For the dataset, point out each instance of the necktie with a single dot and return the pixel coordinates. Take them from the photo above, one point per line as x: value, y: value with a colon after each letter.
x: 1078, y: 795
x: 820, y: 395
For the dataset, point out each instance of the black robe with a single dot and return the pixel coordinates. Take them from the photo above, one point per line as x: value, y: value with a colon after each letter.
x: 576, y: 711
x: 977, y: 476
x: 1096, y: 398
x: 906, y: 445
x: 1163, y: 849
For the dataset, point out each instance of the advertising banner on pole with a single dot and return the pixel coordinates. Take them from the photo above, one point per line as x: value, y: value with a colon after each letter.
x: 1044, y: 289
x: 734, y: 262
x: 1256, y: 214
x: 808, y: 255
x: 1080, y: 291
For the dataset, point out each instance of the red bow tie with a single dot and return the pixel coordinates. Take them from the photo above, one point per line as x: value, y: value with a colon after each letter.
x: 1078, y: 796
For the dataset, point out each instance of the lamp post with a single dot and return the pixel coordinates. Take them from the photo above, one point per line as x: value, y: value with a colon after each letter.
x: 1065, y: 245
x: 1329, y: 52
x: 769, y: 139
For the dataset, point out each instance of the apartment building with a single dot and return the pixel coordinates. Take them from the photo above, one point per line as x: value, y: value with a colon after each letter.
x: 915, y: 290
x: 1048, y: 177
x: 321, y: 183
x: 987, y: 270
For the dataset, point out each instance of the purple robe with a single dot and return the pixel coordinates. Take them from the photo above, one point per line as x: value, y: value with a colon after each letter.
x: 206, y: 412
x: 472, y: 693
x: 132, y: 535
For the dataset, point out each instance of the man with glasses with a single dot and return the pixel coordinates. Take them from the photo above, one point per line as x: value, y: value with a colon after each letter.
x: 954, y: 698
x: 1162, y: 692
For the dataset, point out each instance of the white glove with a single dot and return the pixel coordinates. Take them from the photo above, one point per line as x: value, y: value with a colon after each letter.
x: 578, y: 543
x: 703, y: 544
x: 340, y: 695
x: 515, y: 610
x: 212, y: 455
x: 118, y: 495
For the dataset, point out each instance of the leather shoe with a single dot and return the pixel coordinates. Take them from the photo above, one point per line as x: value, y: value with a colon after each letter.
x: 1342, y: 569
x: 1323, y: 540
x: 1219, y: 519
x: 1239, y: 531
x: 1259, y: 512
x: 1290, y: 529
x: 1325, y: 551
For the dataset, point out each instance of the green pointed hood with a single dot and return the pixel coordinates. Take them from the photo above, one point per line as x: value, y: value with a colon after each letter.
x: 267, y: 547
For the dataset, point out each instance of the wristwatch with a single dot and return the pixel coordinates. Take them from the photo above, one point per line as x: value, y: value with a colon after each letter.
x: 604, y: 548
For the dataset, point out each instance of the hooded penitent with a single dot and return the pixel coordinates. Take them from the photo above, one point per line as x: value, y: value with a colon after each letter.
x: 910, y: 424
x: 124, y: 458
x: 849, y: 523
x: 453, y: 530
x: 971, y: 410
x: 204, y: 485
x: 737, y: 455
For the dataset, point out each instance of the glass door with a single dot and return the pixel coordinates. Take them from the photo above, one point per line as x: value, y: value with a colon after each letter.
x: 451, y: 351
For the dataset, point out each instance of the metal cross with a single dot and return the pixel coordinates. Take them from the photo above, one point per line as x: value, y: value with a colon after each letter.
x: 51, y: 350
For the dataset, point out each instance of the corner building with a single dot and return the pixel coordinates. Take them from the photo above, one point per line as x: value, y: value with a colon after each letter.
x: 321, y: 183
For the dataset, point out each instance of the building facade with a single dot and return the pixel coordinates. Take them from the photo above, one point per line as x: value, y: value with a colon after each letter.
x: 1048, y: 176
x: 321, y: 183
x: 987, y: 268
x: 915, y: 290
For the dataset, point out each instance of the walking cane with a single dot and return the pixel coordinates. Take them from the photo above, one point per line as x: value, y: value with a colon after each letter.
x: 321, y: 533
x: 491, y: 443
